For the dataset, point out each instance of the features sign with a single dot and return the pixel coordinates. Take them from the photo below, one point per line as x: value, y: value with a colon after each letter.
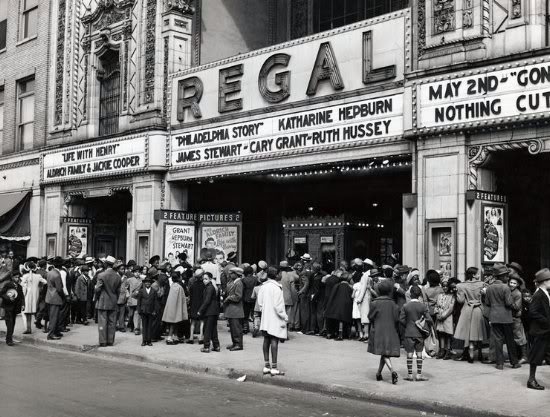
x: 509, y: 93
x: 493, y: 234
x: 77, y: 241
x: 196, y: 217
x: 179, y: 238
x: 374, y: 118
x: 108, y: 158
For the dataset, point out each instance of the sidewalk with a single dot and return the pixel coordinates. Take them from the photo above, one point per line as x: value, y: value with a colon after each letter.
x: 337, y: 368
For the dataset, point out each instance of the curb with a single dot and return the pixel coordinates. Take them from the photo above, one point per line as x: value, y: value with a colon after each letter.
x: 318, y: 388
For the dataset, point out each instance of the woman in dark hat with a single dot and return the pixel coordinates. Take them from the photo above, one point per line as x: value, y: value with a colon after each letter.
x: 384, y: 336
x: 340, y: 306
x: 30, y: 283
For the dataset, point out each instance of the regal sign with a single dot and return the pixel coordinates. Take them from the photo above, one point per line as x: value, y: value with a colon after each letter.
x: 375, y: 118
x: 103, y: 159
x: 343, y: 60
x: 516, y: 93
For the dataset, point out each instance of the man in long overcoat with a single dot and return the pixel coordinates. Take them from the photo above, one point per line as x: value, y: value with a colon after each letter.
x: 107, y: 292
x: 55, y: 298
x: 233, y: 308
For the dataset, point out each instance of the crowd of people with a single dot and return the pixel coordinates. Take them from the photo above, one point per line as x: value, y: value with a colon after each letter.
x: 388, y: 307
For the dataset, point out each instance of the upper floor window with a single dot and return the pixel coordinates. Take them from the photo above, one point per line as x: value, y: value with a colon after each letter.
x: 29, y: 19
x: 1, y: 117
x: 109, y: 96
x: 3, y: 23
x: 375, y: 8
x: 25, y: 113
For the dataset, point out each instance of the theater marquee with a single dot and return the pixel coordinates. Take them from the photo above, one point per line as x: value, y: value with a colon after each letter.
x: 517, y: 92
x: 88, y: 161
x: 334, y: 126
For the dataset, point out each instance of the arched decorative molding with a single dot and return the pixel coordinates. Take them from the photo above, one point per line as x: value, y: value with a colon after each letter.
x: 477, y: 155
x: 120, y: 189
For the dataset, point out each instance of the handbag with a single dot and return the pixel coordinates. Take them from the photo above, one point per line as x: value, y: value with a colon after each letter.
x: 423, y: 326
x: 431, y: 344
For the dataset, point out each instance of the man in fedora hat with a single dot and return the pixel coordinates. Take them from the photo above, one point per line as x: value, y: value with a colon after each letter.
x: 539, y: 313
x: 304, y: 284
x: 107, y: 290
x: 498, y: 298
x: 233, y: 308
x: 55, y: 298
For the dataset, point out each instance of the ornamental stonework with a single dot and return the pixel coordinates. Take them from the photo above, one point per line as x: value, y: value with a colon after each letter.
x: 444, y: 16
x: 150, y: 38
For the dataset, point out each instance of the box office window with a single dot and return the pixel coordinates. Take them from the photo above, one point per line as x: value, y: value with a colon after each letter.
x: 3, y: 23
x: 25, y: 113
x: 29, y: 19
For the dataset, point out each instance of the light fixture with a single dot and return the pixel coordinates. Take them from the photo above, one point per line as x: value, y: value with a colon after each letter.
x: 375, y: 204
x: 310, y: 208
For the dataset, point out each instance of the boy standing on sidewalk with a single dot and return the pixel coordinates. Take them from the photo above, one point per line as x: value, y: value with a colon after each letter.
x: 209, y: 312
x: 148, y: 306
x: 413, y: 340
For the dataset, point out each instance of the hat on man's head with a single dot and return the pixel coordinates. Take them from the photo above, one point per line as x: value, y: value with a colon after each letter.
x: 109, y: 260
x: 199, y: 272
x: 357, y: 261
x: 499, y: 270
x: 374, y: 273
x: 163, y: 266
x: 89, y: 260
x: 57, y: 262
x: 306, y: 257
x: 262, y: 264
x: 237, y: 270
x: 402, y: 269
x: 283, y: 264
x: 515, y: 266
x: 42, y: 263
x: 369, y: 262
x: 131, y: 263
x: 152, y: 272
x: 154, y: 259
x: 232, y: 256
x: 542, y: 275
x: 147, y: 279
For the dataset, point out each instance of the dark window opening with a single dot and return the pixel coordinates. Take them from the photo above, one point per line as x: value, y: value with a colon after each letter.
x: 109, y: 98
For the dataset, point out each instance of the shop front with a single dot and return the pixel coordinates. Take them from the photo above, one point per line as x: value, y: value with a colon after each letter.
x: 489, y: 128
x: 304, y: 139
x: 99, y: 198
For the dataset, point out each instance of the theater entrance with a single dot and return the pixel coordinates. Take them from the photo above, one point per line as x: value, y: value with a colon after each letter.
x: 333, y: 212
x: 524, y: 180
x: 108, y: 219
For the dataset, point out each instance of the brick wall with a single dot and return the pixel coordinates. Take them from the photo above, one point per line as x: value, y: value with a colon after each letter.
x: 21, y: 59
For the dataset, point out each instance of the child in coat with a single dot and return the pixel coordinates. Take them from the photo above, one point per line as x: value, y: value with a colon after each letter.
x: 443, y: 310
x: 13, y: 302
x: 148, y: 306
x: 413, y: 340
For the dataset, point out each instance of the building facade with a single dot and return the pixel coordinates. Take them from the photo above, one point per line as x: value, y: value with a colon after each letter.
x: 355, y: 128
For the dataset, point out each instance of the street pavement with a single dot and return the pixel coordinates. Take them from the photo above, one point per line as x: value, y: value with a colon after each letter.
x: 37, y: 383
x: 342, y: 369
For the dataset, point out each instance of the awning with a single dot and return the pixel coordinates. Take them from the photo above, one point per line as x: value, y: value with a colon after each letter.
x: 15, y: 216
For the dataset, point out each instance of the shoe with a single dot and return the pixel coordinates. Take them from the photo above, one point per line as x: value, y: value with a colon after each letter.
x: 149, y: 344
x: 9, y: 343
x: 339, y: 338
x: 144, y: 344
x: 27, y: 332
x: 440, y: 354
x: 488, y: 362
x: 170, y: 342
x: 394, y: 378
x: 85, y: 323
x: 122, y: 330
x: 276, y: 372
x: 421, y: 378
x: 201, y: 341
x: 448, y: 356
x: 102, y: 344
x: 216, y: 349
x: 379, y: 377
x: 205, y: 350
x: 38, y: 325
x: 515, y: 366
x: 45, y: 330
x: 66, y: 329
x: 464, y: 357
x: 499, y: 367
x: 523, y: 361
x: 137, y: 333
x: 266, y: 370
x: 235, y: 348
x: 109, y: 344
x: 310, y: 333
x: 189, y: 341
x: 533, y: 384
x: 229, y: 347
x: 409, y: 378
x: 53, y: 338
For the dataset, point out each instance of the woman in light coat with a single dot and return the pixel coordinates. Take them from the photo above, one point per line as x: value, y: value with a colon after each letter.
x: 175, y: 310
x: 274, y: 319
x: 31, y: 289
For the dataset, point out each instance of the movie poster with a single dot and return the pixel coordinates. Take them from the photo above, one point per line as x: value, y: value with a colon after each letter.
x: 77, y: 241
x: 179, y: 238
x: 219, y: 239
x: 493, y: 238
